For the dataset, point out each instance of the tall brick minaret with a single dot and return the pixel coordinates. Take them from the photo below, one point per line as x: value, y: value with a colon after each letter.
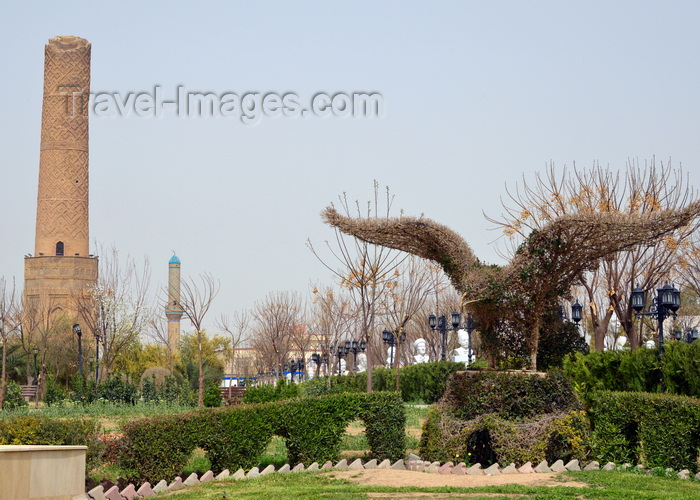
x: 62, y: 266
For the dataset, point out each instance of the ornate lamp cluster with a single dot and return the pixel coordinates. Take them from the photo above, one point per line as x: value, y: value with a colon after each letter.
x: 391, y: 340
x: 665, y: 304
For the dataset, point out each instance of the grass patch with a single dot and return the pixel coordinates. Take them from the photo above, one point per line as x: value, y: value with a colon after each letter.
x: 595, y: 485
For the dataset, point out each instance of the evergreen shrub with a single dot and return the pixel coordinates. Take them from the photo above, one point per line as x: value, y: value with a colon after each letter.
x: 657, y: 430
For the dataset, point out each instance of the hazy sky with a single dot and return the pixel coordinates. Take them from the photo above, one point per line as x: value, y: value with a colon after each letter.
x: 476, y: 95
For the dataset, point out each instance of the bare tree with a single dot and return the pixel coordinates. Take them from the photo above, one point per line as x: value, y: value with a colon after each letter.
x: 158, y: 332
x: 237, y: 327
x: 10, y: 319
x: 195, y: 300
x: 331, y: 319
x: 364, y: 270
x: 117, y: 309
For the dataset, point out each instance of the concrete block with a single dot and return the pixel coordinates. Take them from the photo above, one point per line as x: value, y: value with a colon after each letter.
x: 697, y: 476
x: 412, y: 456
x: 342, y: 465
x: 445, y: 469
x: 113, y: 493
x: 313, y: 467
x: 399, y: 465
x: 510, y: 469
x: 385, y: 464
x: 542, y: 467
x: 609, y: 466
x: 592, y: 466
x: 206, y: 477
x: 82, y: 496
x: 433, y: 468
x: 327, y: 465
x: 459, y: 469
x: 284, y: 469
x: 684, y: 474
x: 475, y: 470
x: 298, y: 468
x: 372, y: 464
x: 97, y: 493
x: 239, y: 474
x: 129, y: 492
x: 573, y: 465
x: 145, y: 490
x: 268, y: 470
x: 177, y: 483
x: 493, y: 470
x: 191, y: 480
x: 356, y: 465
x: 223, y: 474
x: 526, y: 468
x: 558, y: 466
x: 254, y: 472
x: 161, y: 486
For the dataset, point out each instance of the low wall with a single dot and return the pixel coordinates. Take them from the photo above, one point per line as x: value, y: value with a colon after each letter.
x: 42, y: 472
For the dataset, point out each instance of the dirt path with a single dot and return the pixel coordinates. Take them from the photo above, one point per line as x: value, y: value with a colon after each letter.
x: 396, y: 478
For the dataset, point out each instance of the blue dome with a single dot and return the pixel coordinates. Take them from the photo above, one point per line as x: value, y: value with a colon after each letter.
x: 174, y: 260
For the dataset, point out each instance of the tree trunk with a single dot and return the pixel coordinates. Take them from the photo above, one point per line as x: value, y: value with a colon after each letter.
x: 200, y: 396
x: 4, y: 374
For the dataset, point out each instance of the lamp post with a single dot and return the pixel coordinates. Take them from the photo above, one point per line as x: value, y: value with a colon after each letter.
x: 354, y: 348
x: 577, y: 312
x: 391, y: 340
x: 35, y: 351
x: 316, y: 358
x: 79, y: 332
x: 441, y: 325
x: 691, y: 335
x: 293, y: 365
x: 97, y: 359
x: 665, y: 304
x: 342, y: 352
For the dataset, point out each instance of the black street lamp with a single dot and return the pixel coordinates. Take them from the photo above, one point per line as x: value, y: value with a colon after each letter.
x: 577, y: 312
x: 342, y: 352
x: 691, y: 335
x: 316, y: 359
x: 391, y: 340
x: 441, y: 324
x: 665, y: 304
x: 356, y: 347
x: 35, y: 351
x: 79, y: 332
x: 293, y: 365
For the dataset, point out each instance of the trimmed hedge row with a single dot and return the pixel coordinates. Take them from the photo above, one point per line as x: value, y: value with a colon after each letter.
x: 24, y: 429
x: 423, y: 382
x: 658, y: 430
x: 235, y: 437
x: 637, y: 370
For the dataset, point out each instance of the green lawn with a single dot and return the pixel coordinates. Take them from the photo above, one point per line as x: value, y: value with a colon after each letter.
x: 594, y: 485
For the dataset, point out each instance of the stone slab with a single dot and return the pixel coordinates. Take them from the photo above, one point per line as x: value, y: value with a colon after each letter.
x: 223, y: 474
x: 510, y: 469
x: 592, y: 466
x: 313, y: 467
x: 459, y: 469
x: 238, y: 475
x: 609, y: 466
x: 475, y: 470
x: 298, y: 468
x: 493, y: 470
x: 191, y: 480
x: 356, y: 465
x: 385, y: 464
x: 129, y: 492
x: 161, y: 486
x: 684, y: 474
x: 542, y: 467
x: 327, y: 465
x: 433, y: 468
x: 526, y: 468
x: 267, y: 470
x: 254, y: 472
x: 573, y: 465
x: 97, y: 493
x: 558, y: 466
x: 145, y: 490
x: 342, y: 465
x: 206, y: 477
x: 284, y: 469
x: 399, y: 465
x: 445, y: 469
x: 113, y: 493
x: 177, y: 483
x: 372, y: 464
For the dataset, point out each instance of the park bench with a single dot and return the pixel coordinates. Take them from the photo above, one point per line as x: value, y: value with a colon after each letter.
x: 232, y: 395
x: 29, y: 392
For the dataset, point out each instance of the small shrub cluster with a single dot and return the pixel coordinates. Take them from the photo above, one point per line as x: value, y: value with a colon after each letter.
x: 13, y: 396
x: 491, y: 417
x: 119, y: 389
x: 658, y: 430
x: 265, y: 393
x: 25, y: 429
x: 236, y: 436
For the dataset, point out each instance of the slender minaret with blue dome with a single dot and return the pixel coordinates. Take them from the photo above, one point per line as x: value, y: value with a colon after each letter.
x: 173, y: 310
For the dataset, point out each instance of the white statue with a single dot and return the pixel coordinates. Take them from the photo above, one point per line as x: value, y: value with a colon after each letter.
x: 462, y: 354
x: 311, y: 369
x: 650, y: 344
x: 343, y: 367
x: 421, y: 355
x: 390, y: 356
x: 361, y: 362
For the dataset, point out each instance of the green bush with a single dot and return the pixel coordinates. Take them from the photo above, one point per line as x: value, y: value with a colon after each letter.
x: 266, y: 393
x: 237, y: 436
x: 13, y: 396
x: 24, y: 429
x: 658, y: 430
x: 212, y: 395
x: 55, y: 394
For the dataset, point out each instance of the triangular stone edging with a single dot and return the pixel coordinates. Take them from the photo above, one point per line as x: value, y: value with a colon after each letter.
x: 558, y: 466
x: 475, y: 470
x: 510, y: 469
x: 609, y: 466
x: 239, y: 474
x: 113, y: 493
x: 224, y: 474
x: 313, y: 467
x: 342, y: 465
x: 97, y: 493
x: 356, y: 465
x: 399, y: 465
x: 145, y: 490
x: 298, y: 468
x: 372, y: 464
x: 526, y: 468
x: 542, y: 467
x: 129, y: 492
x: 327, y: 465
x: 284, y: 469
x: 206, y: 477
x: 177, y: 483
x: 191, y: 480
x: 573, y: 465
x: 385, y: 464
x: 493, y: 470
x: 433, y: 468
x: 161, y: 486
x: 254, y: 472
x: 592, y: 466
x: 267, y: 470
